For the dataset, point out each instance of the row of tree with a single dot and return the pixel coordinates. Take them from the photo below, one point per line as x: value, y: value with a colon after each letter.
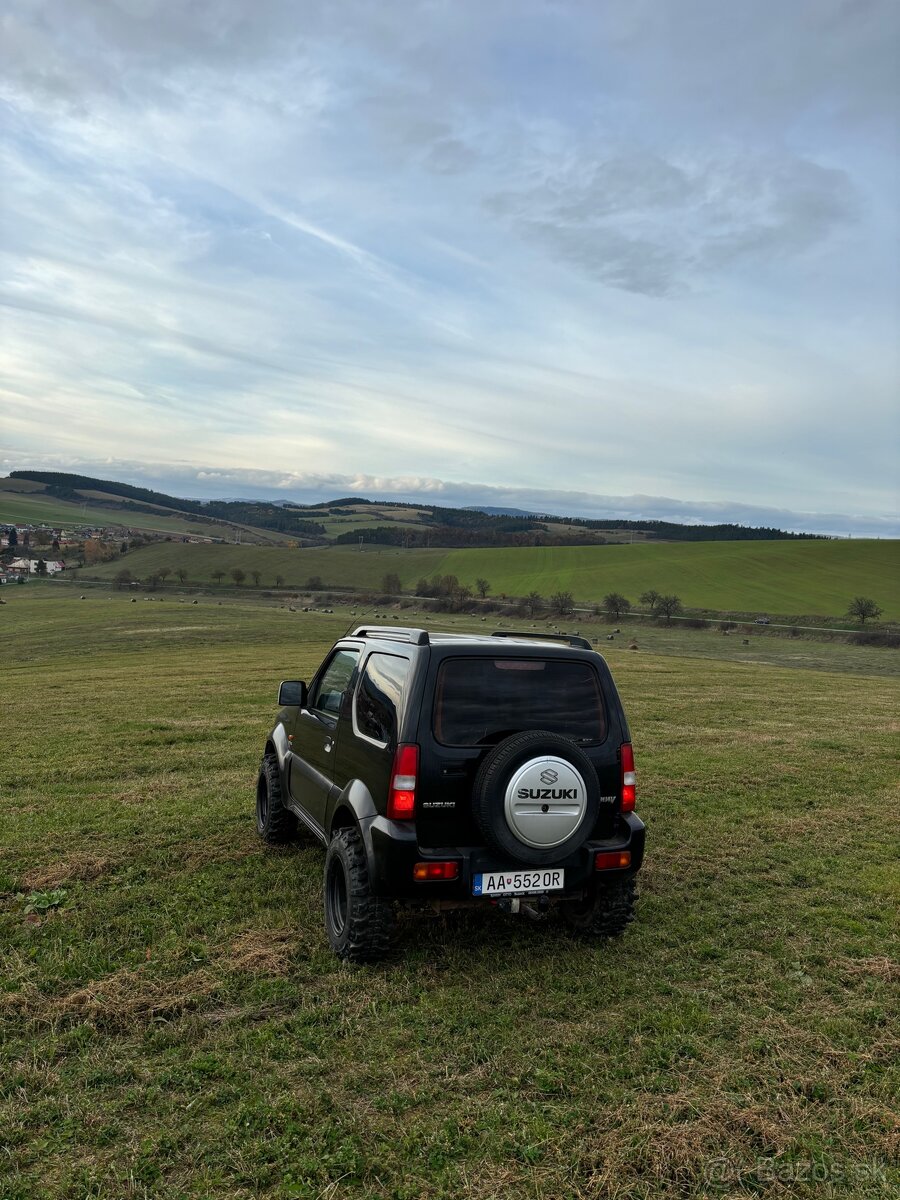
x: 454, y: 594
x: 124, y: 578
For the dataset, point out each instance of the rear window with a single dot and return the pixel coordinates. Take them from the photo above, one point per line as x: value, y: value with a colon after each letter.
x: 479, y: 701
x: 378, y: 696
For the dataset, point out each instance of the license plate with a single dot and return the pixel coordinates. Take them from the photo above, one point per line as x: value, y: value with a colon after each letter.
x: 502, y: 883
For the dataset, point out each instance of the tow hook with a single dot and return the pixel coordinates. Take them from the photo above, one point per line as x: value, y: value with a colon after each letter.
x: 515, y: 904
x: 538, y: 910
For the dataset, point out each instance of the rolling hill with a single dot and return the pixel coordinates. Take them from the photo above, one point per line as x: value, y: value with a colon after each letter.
x: 344, y: 521
x: 790, y: 578
x: 27, y: 502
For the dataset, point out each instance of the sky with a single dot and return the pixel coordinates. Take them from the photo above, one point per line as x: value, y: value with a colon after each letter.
x: 637, y: 258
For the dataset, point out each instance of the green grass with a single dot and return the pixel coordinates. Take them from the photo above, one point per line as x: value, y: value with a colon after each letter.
x: 818, y: 577
x: 779, y: 577
x: 338, y: 567
x: 174, y: 1026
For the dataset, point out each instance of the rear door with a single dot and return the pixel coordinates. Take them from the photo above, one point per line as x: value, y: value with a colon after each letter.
x: 315, y: 734
x: 475, y: 702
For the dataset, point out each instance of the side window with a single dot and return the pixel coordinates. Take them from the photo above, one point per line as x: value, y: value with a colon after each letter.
x: 378, y: 696
x: 330, y: 689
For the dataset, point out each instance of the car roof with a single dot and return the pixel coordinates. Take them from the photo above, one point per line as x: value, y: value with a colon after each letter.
x: 496, y: 640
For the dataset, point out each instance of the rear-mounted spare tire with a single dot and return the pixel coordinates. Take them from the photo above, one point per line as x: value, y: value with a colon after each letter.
x: 536, y: 797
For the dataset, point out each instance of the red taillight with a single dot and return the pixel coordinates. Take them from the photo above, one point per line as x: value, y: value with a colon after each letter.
x: 610, y: 860
x: 629, y: 788
x: 435, y: 870
x: 402, y: 800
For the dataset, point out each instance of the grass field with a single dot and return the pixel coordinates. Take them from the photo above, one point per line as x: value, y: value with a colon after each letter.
x: 176, y: 1027
x: 778, y: 577
x: 791, y: 578
x: 338, y: 567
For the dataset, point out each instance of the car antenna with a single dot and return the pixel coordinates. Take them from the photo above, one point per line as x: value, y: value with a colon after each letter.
x: 356, y: 621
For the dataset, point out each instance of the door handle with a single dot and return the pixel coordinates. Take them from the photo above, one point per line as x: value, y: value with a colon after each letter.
x: 328, y: 744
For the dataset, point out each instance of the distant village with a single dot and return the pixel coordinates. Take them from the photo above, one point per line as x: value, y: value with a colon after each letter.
x: 27, y: 551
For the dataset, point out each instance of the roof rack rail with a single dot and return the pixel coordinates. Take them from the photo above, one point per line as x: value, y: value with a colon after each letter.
x: 571, y: 638
x: 393, y: 633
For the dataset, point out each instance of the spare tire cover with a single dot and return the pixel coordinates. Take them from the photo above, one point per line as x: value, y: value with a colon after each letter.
x: 536, y: 797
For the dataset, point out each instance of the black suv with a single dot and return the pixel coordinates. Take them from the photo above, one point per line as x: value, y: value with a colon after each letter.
x: 455, y: 770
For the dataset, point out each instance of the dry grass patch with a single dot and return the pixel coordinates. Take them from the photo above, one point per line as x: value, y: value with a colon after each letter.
x: 128, y: 995
x: 81, y: 866
x: 118, y: 1000
x: 878, y: 968
x: 262, y: 951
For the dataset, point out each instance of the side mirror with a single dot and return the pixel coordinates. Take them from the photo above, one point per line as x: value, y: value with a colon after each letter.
x: 292, y: 694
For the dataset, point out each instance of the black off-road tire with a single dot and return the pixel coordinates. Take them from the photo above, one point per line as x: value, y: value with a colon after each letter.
x: 489, y: 789
x: 275, y: 823
x: 359, y: 925
x: 604, y: 912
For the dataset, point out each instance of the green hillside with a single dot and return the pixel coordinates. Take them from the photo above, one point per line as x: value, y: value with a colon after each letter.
x: 338, y: 567
x: 781, y: 577
x: 24, y: 503
x: 815, y: 577
x: 349, y: 520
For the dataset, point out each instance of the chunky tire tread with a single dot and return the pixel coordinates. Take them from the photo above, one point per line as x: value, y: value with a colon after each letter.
x: 277, y: 825
x: 368, y: 931
x: 605, y: 913
x: 490, y: 784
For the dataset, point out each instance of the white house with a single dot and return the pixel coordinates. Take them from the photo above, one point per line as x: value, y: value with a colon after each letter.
x: 54, y: 566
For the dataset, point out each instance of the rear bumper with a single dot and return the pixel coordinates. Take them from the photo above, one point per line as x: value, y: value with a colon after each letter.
x: 392, y: 851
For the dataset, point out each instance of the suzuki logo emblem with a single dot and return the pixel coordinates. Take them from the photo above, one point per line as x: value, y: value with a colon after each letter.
x: 548, y: 775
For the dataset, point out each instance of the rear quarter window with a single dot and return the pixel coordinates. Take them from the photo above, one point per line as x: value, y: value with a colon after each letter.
x: 479, y: 701
x: 378, y: 697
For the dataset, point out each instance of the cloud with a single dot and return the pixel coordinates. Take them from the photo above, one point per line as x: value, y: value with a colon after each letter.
x: 648, y: 225
x: 631, y: 249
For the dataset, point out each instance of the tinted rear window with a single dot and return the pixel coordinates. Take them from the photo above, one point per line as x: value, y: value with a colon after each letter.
x: 479, y: 701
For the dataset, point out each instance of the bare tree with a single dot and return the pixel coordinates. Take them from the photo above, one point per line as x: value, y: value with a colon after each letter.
x: 238, y: 575
x: 863, y: 607
x: 164, y: 573
x: 562, y: 603
x: 651, y: 598
x: 669, y: 606
x: 122, y: 579
x: 256, y: 576
x: 534, y: 602
x: 482, y: 587
x: 218, y: 575
x: 182, y: 574
x: 460, y: 594
x: 279, y: 581
x: 615, y: 604
x: 390, y: 584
